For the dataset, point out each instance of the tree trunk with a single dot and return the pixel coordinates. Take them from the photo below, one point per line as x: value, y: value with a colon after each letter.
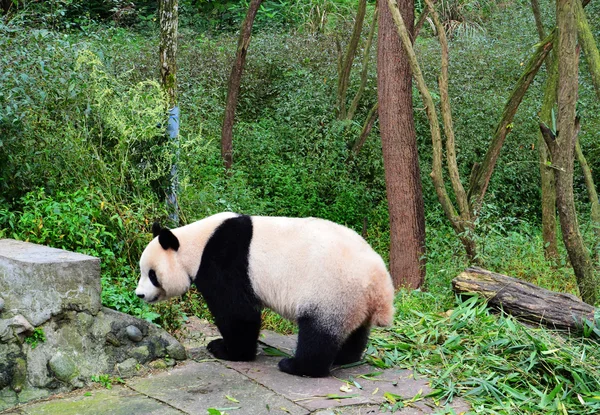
x: 526, y: 301
x: 235, y: 79
x: 562, y: 149
x: 168, y: 48
x: 592, y: 195
x: 365, y: 67
x: 482, y: 173
x: 588, y: 44
x: 169, y: 20
x: 546, y: 170
x: 371, y: 117
x: 398, y: 139
x: 346, y: 67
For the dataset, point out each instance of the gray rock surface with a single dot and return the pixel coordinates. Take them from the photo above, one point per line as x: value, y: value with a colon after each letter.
x: 10, y: 328
x: 134, y: 334
x: 62, y: 367
x: 57, y: 293
x: 39, y: 282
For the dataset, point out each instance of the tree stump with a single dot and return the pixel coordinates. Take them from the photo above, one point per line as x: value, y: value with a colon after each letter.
x: 526, y: 301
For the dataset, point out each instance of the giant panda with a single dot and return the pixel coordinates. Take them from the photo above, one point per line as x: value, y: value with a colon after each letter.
x: 321, y: 275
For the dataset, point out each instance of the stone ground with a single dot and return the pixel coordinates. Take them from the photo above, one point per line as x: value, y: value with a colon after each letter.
x: 245, y: 388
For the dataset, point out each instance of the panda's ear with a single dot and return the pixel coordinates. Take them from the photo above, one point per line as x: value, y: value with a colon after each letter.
x: 168, y: 240
x: 156, y: 229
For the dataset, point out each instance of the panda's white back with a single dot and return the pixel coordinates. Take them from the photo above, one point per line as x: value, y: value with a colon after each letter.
x: 301, y: 263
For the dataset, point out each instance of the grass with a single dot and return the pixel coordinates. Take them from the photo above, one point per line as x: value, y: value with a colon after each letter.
x: 493, y: 361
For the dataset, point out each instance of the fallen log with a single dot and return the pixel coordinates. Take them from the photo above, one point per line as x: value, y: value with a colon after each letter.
x: 526, y: 301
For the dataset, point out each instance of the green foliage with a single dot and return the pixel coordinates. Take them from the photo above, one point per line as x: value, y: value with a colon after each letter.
x: 106, y: 380
x: 36, y: 337
x: 84, y: 221
x: 492, y: 360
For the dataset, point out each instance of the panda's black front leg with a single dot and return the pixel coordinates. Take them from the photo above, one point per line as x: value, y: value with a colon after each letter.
x: 239, y: 340
x: 218, y: 349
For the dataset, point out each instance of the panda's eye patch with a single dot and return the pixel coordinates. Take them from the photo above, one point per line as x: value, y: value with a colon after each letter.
x: 153, y: 279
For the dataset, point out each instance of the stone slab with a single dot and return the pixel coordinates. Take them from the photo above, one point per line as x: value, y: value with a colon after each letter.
x: 39, y: 282
x: 119, y: 400
x: 195, y: 387
x: 312, y: 393
x: 286, y: 344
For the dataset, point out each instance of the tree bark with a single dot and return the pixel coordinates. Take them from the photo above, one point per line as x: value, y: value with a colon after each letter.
x: 398, y: 139
x: 235, y: 79
x: 526, y: 301
x: 563, y: 146
x: 365, y: 67
x: 482, y: 173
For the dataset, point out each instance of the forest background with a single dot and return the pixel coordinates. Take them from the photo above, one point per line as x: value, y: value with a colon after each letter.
x: 84, y: 162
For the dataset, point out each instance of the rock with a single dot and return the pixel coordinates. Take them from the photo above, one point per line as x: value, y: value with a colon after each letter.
x: 141, y: 354
x: 158, y: 364
x: 19, y: 375
x: 134, y: 334
x: 30, y: 394
x: 1, y: 304
x: 176, y: 351
x: 170, y: 362
x: 11, y: 327
x: 63, y: 367
x: 111, y: 338
x: 128, y: 367
x: 40, y: 282
x: 8, y: 398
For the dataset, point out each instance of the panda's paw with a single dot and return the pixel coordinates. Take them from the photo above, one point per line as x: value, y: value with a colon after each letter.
x: 218, y: 349
x: 287, y: 365
x: 297, y: 367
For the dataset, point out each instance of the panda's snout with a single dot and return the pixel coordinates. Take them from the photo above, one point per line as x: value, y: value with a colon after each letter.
x: 141, y: 295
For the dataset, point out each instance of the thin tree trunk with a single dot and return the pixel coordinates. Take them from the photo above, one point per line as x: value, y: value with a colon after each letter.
x: 421, y: 21
x: 465, y: 227
x: 592, y: 194
x: 235, y: 79
x: 482, y: 173
x: 588, y: 44
x: 169, y: 19
x: 168, y: 48
x: 368, y: 125
x: 562, y: 149
x: 546, y: 171
x: 539, y: 25
x: 344, y: 74
x: 365, y: 67
x: 398, y: 139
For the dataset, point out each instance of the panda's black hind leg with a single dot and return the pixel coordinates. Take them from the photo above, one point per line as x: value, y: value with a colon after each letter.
x: 353, y: 347
x: 315, y: 351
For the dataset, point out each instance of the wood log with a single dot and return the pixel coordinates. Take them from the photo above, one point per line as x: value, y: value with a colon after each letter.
x: 526, y: 301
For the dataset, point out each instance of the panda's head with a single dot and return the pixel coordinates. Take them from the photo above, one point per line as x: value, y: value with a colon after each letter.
x: 162, y: 274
